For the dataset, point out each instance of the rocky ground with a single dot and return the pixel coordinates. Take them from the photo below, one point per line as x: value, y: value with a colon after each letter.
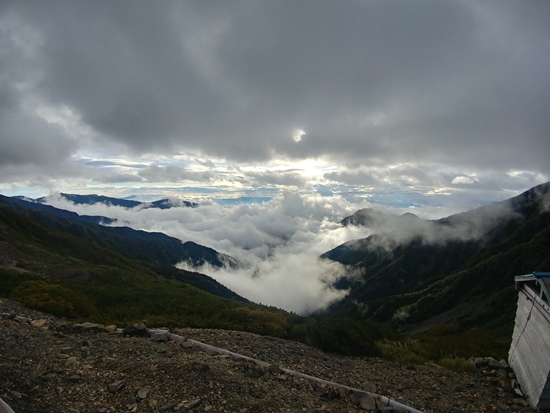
x: 46, y: 366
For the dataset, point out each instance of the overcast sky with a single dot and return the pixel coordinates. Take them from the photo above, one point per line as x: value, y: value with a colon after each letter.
x: 419, y: 104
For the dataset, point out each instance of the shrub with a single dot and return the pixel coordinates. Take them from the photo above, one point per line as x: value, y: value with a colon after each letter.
x: 53, y: 298
x: 256, y: 321
x: 408, y: 351
x: 457, y: 364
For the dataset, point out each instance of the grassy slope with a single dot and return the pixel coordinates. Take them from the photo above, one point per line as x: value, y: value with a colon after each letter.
x: 121, y: 289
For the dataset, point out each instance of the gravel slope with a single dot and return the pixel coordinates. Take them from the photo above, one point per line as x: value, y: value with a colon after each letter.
x: 49, y: 369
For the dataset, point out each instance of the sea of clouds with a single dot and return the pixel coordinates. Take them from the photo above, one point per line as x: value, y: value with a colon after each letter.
x: 277, y: 242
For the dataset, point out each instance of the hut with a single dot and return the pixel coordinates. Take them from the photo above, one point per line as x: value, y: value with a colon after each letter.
x: 529, y: 353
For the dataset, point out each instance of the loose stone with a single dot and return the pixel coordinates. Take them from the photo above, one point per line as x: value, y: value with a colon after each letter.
x: 116, y: 386
x: 142, y: 393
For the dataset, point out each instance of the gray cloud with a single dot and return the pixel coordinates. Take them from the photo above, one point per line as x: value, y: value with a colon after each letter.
x: 456, y: 82
x: 429, y: 99
x: 113, y: 178
x: 172, y: 173
x: 277, y: 178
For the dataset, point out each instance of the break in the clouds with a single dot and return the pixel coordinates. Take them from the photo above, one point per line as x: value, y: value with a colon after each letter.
x: 405, y: 97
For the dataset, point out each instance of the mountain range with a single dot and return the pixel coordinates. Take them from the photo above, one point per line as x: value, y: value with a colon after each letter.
x: 411, y: 275
x: 414, y: 274
x: 92, y: 199
x: 152, y: 246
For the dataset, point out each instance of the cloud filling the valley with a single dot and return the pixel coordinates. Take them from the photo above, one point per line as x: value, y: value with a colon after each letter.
x: 278, y: 243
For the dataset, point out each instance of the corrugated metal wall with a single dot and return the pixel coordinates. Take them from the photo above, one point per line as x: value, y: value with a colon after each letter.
x: 530, y: 350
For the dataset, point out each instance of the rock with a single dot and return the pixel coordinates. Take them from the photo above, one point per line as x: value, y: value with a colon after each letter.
x: 187, y: 344
x: 167, y: 407
x: 193, y: 404
x: 369, y: 387
x: 22, y: 320
x: 343, y: 392
x: 74, y: 378
x: 88, y: 328
x: 404, y: 401
x: 365, y: 401
x: 481, y: 362
x: 116, y: 386
x: 275, y: 369
x: 137, y: 330
x: 320, y: 391
x: 493, y: 364
x: 142, y: 393
x: 71, y: 361
x: 38, y: 323
x: 504, y: 383
x: 153, y: 403
x: 160, y: 337
x: 111, y: 329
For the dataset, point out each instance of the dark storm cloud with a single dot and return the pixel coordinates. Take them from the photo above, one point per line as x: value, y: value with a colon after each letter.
x: 460, y: 83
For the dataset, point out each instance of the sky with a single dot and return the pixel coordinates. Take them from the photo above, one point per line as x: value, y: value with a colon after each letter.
x: 268, y: 112
x: 406, y: 103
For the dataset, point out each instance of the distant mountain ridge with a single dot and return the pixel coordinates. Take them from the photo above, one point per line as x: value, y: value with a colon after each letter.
x: 368, y: 217
x: 45, y: 238
x: 459, y: 268
x: 147, y: 246
x: 92, y: 199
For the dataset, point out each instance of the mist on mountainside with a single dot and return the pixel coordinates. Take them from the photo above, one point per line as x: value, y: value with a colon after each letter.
x: 456, y: 268
x: 278, y: 244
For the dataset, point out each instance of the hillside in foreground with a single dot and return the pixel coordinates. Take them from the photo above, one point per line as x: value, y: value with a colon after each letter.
x: 55, y: 369
x: 80, y: 270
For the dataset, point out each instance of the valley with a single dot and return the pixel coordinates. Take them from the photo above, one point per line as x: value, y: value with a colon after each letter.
x: 413, y: 291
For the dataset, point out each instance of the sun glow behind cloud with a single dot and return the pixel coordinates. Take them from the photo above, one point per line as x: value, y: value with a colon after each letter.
x: 297, y: 135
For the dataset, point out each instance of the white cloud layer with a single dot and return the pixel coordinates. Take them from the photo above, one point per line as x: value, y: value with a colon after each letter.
x: 279, y: 243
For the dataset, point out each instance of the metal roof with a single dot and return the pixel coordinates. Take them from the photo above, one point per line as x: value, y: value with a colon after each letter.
x: 542, y: 278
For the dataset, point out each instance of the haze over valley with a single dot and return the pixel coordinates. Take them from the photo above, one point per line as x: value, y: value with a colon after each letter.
x: 274, y: 249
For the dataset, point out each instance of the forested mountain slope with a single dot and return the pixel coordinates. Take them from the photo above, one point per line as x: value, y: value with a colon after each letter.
x: 154, y: 247
x: 57, y: 245
x: 459, y: 268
